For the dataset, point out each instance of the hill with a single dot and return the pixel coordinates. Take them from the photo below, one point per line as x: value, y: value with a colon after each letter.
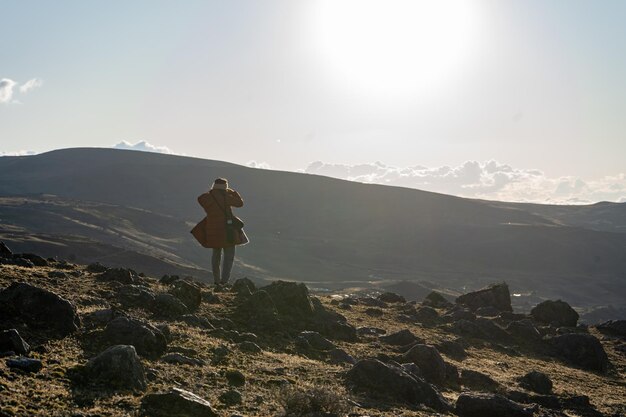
x: 324, y: 231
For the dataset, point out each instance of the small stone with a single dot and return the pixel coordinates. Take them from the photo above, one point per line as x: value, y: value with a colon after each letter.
x: 489, y: 405
x: 374, y: 312
x: 478, y: 381
x: 400, y: 338
x: 118, y: 367
x: 11, y: 341
x: 235, y: 378
x: 390, y: 297
x: 177, y: 402
x: 25, y: 364
x: 537, y: 381
x: 231, y: 397
x: 180, y: 359
x: 249, y: 347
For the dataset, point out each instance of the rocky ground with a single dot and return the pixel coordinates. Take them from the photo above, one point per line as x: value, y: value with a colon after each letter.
x: 80, y: 340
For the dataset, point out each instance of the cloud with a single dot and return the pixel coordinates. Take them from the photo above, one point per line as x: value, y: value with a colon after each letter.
x: 486, y: 180
x: 142, y: 146
x: 18, y: 153
x: 259, y: 165
x: 30, y: 85
x: 6, y: 90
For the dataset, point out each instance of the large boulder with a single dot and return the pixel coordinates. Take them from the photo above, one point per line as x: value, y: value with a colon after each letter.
x: 436, y: 300
x: 429, y: 361
x: 558, y: 313
x: 495, y: 295
x: 291, y: 299
x: 176, y: 403
x: 39, y: 309
x: 489, y: 405
x: 258, y: 308
x: 187, y: 292
x: 614, y: 327
x: 583, y: 350
x: 400, y: 338
x: 147, y: 339
x: 11, y: 341
x: 118, y: 368
x: 376, y: 379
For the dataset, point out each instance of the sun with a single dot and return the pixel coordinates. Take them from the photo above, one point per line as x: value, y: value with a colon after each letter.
x: 393, y: 47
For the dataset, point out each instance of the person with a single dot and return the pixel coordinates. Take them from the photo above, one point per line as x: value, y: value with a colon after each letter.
x: 220, y: 229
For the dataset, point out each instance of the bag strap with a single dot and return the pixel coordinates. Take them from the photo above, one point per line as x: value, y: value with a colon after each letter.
x: 227, y: 213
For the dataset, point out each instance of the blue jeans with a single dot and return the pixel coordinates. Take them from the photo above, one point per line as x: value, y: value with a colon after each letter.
x: 229, y: 258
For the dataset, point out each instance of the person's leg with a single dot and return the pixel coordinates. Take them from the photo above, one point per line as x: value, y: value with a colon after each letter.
x: 229, y: 258
x: 215, y: 264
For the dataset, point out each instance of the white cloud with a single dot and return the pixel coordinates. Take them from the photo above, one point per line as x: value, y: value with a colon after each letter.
x: 259, y: 165
x: 6, y: 90
x: 18, y: 153
x: 142, y: 146
x: 31, y: 85
x: 487, y: 180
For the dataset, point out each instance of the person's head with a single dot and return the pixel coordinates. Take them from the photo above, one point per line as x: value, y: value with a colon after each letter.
x: 220, y: 184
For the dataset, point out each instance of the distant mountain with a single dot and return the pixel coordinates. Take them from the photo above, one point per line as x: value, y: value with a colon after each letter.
x: 313, y: 228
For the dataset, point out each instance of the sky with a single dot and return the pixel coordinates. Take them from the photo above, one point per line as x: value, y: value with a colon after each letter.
x: 519, y: 100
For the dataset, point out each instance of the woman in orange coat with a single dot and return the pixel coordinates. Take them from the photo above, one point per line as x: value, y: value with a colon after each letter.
x: 215, y: 231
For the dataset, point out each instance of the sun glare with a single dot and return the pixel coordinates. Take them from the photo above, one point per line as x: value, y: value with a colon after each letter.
x: 394, y: 47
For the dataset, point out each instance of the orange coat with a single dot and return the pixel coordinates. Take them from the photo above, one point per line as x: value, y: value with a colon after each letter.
x: 211, y: 231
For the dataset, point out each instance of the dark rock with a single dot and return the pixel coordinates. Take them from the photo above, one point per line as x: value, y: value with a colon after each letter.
x: 249, y: 347
x: 557, y: 313
x: 5, y: 252
x: 176, y: 403
x: 451, y: 348
x: 166, y: 305
x: 400, y: 338
x: 488, y: 311
x: 235, y: 378
x: 337, y: 329
x: 187, y: 292
x: 35, y: 259
x: 168, y: 279
x: 371, y: 302
x: 452, y: 375
x: 489, y: 405
x: 180, y: 359
x: 231, y: 397
x: 25, y: 364
x: 259, y: 307
x: 135, y: 296
x: 491, y: 329
x: 165, y: 329
x: 457, y: 313
x: 11, y: 341
x: 317, y: 341
x: 370, y: 331
x: 537, y: 382
x: 478, y: 381
x: 38, y: 308
x: 425, y: 315
x: 548, y: 401
x: 582, y: 350
x: 374, y: 378
x: 430, y: 362
x: 291, y: 299
x: 391, y: 297
x: 96, y: 268
x: 196, y: 321
x: 523, y: 330
x: 123, y: 275
x: 210, y: 298
x: 57, y: 274
x: 436, y: 300
x: 118, y: 367
x: 615, y: 327
x: 147, y: 339
x: 374, y: 312
x: 183, y: 350
x: 243, y: 287
x: 339, y: 356
x: 468, y: 328
x: 495, y: 295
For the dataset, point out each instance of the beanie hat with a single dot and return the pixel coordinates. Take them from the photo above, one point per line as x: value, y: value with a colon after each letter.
x: 220, y: 184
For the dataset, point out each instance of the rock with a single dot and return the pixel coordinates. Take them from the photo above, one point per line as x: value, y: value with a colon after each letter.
x: 135, y: 296
x: 210, y: 298
x: 371, y: 302
x: 478, y: 381
x: 370, y: 331
x: 468, y: 328
x: 457, y: 313
x: 11, y: 341
x: 339, y: 356
x: 400, y: 338
x: 375, y: 379
x: 39, y: 309
x: 489, y: 405
x: 35, y: 259
x: 390, y: 297
x: 220, y: 355
x: 425, y: 315
x: 235, y: 378
x: 96, y: 268
x: 615, y: 327
x: 196, y: 321
x: 17, y: 261
x: 259, y: 306
x: 523, y: 330
x: 582, y: 350
x: 489, y: 311
x: 316, y: 340
x: 180, y: 359
x: 337, y: 329
x: 147, y: 339
x: 557, y: 313
x: 430, y: 362
x: 168, y: 279
x: 495, y: 295
x: 25, y: 364
x: 243, y: 287
x: 436, y: 300
x: 5, y: 252
x: 536, y: 381
x: 176, y: 403
x: 291, y: 299
x: 491, y: 329
x: 166, y: 305
x: 188, y: 293
x: 57, y: 274
x: 123, y: 275
x: 249, y: 347
x: 231, y: 397
x: 165, y: 329
x: 452, y: 375
x: 374, y: 312
x: 118, y: 367
x: 451, y: 348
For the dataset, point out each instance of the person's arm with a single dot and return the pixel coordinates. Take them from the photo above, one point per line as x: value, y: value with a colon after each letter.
x: 205, y: 200
x: 234, y: 199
